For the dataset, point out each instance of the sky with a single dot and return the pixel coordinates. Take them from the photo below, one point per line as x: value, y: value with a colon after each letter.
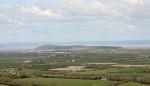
x: 74, y: 20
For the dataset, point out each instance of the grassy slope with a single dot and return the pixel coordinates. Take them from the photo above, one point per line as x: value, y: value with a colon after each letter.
x: 70, y: 82
x: 132, y: 84
x: 2, y: 85
x: 63, y: 82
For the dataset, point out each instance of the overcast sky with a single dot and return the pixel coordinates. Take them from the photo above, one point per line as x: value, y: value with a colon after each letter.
x: 74, y: 20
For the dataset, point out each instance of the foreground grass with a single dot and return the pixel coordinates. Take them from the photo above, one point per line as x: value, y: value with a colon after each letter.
x: 132, y: 84
x: 62, y: 82
x: 69, y: 82
x: 3, y: 85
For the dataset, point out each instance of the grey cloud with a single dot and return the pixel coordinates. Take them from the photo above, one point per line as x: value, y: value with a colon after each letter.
x: 85, y: 16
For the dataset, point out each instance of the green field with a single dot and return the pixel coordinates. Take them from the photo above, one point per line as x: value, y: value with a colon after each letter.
x: 132, y: 84
x: 70, y: 82
x: 63, y: 82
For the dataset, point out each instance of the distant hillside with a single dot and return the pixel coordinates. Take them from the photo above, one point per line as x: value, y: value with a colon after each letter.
x: 96, y: 44
x: 74, y: 47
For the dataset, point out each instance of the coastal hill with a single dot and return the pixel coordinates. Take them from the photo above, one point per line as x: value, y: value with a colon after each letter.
x: 75, y: 47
